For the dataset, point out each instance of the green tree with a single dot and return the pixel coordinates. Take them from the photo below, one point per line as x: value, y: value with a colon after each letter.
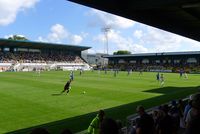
x: 17, y: 37
x: 121, y: 52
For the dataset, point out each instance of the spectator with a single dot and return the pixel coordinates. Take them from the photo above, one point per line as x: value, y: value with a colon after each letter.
x: 193, y: 125
x: 109, y: 126
x: 165, y: 125
x: 187, y: 109
x: 193, y: 111
x: 145, y: 124
x: 174, y: 112
x: 94, y: 126
x: 180, y: 107
x: 155, y: 116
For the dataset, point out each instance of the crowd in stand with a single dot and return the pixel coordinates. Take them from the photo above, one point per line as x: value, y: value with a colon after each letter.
x: 152, y: 67
x: 33, y: 57
x: 176, y: 118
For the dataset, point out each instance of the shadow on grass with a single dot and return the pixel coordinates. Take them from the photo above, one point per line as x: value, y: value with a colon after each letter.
x: 169, y: 90
x: 79, y: 123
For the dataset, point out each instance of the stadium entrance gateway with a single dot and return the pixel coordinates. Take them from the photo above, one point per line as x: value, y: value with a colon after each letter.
x: 32, y: 56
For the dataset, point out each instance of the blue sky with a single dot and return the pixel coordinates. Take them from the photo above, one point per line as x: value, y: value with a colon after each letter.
x: 69, y: 23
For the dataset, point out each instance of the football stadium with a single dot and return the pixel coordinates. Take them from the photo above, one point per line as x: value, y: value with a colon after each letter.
x: 146, y: 93
x: 31, y: 98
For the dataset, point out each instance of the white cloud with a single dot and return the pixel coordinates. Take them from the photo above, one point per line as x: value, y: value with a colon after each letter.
x: 125, y: 43
x: 138, y: 34
x: 7, y: 36
x: 117, y: 42
x: 58, y: 34
x: 84, y: 34
x: 99, y: 38
x: 41, y: 39
x: 91, y: 51
x: 94, y: 51
x: 147, y: 39
x: 102, y: 19
x: 190, y: 45
x: 135, y: 48
x: 194, y: 47
x: 76, y: 39
x: 10, y: 8
x: 157, y: 40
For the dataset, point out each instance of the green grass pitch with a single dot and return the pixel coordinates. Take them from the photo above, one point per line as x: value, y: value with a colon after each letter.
x: 28, y: 100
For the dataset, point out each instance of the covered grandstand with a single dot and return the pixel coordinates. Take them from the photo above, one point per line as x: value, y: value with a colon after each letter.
x: 165, y: 62
x: 28, y: 56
